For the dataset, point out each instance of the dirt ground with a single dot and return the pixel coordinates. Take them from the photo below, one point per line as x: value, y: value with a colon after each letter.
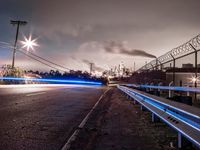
x: 119, y: 124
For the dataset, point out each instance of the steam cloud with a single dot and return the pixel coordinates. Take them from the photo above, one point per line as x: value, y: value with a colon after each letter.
x: 114, y: 47
x: 94, y: 67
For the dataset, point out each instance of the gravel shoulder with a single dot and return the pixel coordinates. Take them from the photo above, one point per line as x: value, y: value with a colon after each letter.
x: 119, y: 124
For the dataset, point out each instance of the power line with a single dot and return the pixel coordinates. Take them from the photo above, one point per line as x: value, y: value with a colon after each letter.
x: 35, y: 59
x: 4, y: 43
x: 48, y: 61
x: 20, y: 50
x: 40, y: 61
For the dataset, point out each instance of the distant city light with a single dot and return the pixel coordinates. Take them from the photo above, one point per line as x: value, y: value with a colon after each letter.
x: 29, y: 43
x: 194, y: 79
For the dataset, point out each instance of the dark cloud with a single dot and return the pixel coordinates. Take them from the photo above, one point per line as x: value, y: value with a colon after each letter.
x: 155, y: 26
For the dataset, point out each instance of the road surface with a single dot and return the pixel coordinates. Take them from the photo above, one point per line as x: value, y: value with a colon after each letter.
x: 43, y: 117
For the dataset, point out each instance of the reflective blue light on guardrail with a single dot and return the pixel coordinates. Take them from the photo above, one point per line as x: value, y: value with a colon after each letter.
x: 52, y: 80
x: 170, y: 106
x: 192, y: 124
x: 172, y: 88
x: 156, y: 104
x: 166, y: 108
x: 177, y: 116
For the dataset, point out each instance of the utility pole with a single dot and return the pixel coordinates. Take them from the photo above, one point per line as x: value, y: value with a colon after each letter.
x: 18, y: 23
x: 91, y: 68
x: 134, y: 67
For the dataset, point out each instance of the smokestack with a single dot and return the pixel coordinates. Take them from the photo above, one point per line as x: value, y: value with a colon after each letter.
x: 92, y: 66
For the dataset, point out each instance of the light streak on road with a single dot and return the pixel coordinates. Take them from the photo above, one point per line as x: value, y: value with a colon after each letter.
x: 53, y: 80
x: 34, y: 94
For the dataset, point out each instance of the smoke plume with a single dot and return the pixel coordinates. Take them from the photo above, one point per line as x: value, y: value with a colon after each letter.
x: 119, y: 48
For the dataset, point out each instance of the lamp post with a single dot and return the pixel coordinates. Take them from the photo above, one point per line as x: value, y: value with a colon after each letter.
x: 196, y: 69
x: 174, y: 65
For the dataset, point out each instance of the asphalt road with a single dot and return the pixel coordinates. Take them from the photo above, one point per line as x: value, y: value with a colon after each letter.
x: 43, y: 118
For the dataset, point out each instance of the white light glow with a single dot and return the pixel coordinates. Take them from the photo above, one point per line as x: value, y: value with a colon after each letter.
x: 194, y: 79
x: 29, y: 43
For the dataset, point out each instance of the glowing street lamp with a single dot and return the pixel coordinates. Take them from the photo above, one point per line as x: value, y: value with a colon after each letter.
x: 29, y: 43
x: 194, y: 80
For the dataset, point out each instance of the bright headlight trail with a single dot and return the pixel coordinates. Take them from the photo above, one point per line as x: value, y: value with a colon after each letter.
x: 52, y: 80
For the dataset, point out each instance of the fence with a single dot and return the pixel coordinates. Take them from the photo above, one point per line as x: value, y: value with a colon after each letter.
x: 189, y: 49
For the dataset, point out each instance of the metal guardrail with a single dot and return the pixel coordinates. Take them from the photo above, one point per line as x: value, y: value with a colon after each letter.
x: 183, y: 118
x: 172, y: 88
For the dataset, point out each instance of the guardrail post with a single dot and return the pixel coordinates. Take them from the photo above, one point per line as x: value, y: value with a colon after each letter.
x: 154, y: 118
x: 170, y: 93
x: 188, y: 93
x: 142, y: 108
x: 179, y: 140
x: 134, y: 102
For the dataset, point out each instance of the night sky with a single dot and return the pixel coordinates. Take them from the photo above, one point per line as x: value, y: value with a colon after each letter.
x: 71, y: 32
